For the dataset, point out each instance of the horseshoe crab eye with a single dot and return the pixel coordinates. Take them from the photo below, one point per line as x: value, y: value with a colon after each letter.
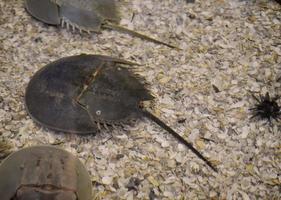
x: 98, y: 112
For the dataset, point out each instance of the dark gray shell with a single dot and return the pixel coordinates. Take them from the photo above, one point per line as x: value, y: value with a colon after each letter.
x: 76, y: 94
x: 88, y: 15
x: 44, y: 172
x: 112, y: 97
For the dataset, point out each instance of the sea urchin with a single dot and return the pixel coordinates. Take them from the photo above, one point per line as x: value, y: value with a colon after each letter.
x: 266, y: 108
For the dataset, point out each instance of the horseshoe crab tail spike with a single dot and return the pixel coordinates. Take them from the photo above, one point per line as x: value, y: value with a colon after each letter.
x: 176, y: 135
x: 137, y: 34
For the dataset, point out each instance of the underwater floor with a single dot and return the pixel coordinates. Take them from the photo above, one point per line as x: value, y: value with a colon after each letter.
x: 230, y: 51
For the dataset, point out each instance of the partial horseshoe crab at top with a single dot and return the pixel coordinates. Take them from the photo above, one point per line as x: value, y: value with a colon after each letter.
x: 44, y: 173
x: 84, y: 15
x: 80, y: 93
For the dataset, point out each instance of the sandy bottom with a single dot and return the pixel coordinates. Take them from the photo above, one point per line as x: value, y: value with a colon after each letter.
x: 230, y: 50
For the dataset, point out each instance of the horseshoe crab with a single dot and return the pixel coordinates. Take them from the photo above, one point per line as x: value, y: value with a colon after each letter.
x: 80, y: 93
x: 44, y: 172
x: 84, y: 15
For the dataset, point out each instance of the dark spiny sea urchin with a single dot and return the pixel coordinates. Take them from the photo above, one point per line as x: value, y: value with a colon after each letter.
x: 266, y: 108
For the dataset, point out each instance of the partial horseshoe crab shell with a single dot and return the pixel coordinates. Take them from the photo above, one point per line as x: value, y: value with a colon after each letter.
x: 45, y: 11
x: 84, y: 15
x: 44, y: 172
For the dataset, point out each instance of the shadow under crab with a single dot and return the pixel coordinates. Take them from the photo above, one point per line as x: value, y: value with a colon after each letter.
x: 80, y: 93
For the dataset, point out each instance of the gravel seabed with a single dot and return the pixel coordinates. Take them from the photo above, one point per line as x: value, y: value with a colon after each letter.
x: 230, y: 49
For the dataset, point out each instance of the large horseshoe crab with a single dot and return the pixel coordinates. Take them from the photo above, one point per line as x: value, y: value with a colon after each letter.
x: 84, y: 15
x: 80, y: 93
x: 44, y: 172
